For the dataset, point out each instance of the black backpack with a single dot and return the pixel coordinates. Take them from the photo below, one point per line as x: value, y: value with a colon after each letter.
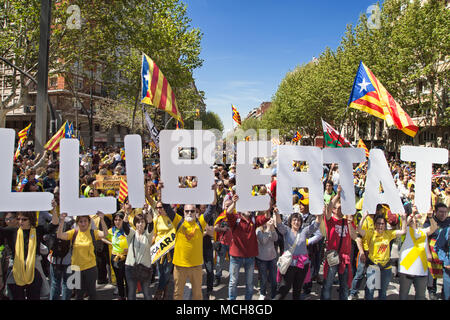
x: 60, y: 248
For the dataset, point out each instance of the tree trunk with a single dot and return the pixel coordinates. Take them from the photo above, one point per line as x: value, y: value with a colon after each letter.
x: 3, y: 113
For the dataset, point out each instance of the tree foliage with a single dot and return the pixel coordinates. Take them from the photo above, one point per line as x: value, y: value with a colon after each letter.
x: 408, y: 51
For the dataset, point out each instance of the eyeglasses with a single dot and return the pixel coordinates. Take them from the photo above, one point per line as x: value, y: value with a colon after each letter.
x: 9, y: 219
x: 23, y: 219
x: 159, y: 208
x: 189, y: 211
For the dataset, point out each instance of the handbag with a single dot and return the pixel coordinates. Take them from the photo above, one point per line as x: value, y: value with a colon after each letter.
x: 332, y: 255
x: 140, y: 271
x: 284, y: 261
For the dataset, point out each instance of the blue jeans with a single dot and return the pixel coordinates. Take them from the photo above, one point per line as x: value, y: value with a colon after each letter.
x: 221, y: 260
x: 132, y: 285
x: 164, y: 271
x: 58, y: 280
x: 385, y: 278
x: 249, y: 267
x: 359, y: 276
x: 268, y: 272
x: 328, y: 283
x: 446, y: 287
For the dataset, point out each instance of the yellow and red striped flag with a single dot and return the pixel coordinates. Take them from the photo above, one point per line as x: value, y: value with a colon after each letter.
x: 53, y: 143
x: 23, y: 134
x: 361, y: 144
x: 236, y: 116
x: 369, y: 95
x: 19, y: 148
x: 122, y: 154
x: 123, y: 190
x: 156, y: 90
x: 297, y: 137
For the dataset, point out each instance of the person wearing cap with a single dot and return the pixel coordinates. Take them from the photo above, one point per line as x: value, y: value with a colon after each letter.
x: 244, y: 247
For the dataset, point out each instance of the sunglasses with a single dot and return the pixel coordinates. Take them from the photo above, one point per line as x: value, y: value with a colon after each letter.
x: 23, y: 219
x: 159, y: 208
x: 189, y: 211
x: 9, y: 219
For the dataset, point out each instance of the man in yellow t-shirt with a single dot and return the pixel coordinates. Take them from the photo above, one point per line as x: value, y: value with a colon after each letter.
x: 188, y: 252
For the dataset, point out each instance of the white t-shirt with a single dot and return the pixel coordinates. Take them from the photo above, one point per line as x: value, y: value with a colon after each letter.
x: 417, y: 267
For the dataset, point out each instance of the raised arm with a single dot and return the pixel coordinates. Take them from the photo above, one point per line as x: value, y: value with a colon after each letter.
x: 399, y: 233
x: 361, y: 223
x: 170, y: 213
x: 59, y: 233
x: 209, y: 213
x: 333, y: 203
x: 102, y: 234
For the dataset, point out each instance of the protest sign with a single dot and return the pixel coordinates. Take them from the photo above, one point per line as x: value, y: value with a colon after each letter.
x: 173, y: 166
x: 69, y: 181
x: 380, y: 186
x: 108, y: 182
x: 247, y: 177
x: 163, y: 246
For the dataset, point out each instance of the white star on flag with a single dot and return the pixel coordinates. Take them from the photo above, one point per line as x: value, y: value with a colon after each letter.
x: 363, y: 85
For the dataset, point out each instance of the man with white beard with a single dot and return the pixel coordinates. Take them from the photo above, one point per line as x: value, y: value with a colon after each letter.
x: 188, y: 251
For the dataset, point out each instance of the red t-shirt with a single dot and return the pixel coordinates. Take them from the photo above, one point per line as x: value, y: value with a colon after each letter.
x: 244, y: 243
x: 334, y: 227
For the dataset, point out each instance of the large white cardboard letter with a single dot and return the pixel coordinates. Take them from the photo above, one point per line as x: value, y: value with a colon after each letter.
x: 17, y: 201
x: 69, y: 182
x: 174, y: 166
x: 424, y: 158
x: 345, y: 157
x: 289, y: 179
x: 247, y: 177
x: 377, y: 172
x: 135, y: 172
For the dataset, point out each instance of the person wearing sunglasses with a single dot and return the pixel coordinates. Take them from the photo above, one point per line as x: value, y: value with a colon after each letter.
x: 379, y: 250
x: 188, y: 252
x: 24, y: 278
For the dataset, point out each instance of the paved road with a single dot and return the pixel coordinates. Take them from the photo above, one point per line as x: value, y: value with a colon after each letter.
x: 106, y: 292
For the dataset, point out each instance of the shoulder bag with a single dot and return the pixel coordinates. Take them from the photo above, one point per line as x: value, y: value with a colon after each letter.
x: 284, y: 261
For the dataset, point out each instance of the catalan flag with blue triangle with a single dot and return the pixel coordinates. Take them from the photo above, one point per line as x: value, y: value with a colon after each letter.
x: 369, y: 95
x: 297, y: 137
x: 156, y: 90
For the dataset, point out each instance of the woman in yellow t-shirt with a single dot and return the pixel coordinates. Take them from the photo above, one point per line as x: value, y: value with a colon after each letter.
x: 378, y: 242
x: 162, y: 226
x: 83, y: 255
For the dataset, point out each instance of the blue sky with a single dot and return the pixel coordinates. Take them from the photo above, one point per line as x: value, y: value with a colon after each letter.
x: 248, y: 46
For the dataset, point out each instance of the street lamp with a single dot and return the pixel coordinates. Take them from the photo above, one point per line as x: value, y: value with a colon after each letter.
x: 77, y: 107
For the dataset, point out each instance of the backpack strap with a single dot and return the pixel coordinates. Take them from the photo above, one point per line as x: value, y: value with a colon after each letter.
x: 74, y: 236
x: 182, y: 221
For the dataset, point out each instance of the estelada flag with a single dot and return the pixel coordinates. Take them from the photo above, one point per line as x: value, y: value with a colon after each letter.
x: 236, y: 115
x: 123, y: 190
x: 53, y: 143
x: 332, y: 138
x: 156, y: 90
x: 361, y: 144
x: 297, y: 137
x: 369, y: 95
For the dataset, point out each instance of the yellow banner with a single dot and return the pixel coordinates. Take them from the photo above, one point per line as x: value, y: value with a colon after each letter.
x: 108, y: 182
x: 163, y: 246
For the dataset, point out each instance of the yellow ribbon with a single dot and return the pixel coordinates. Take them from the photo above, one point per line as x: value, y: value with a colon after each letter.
x: 418, y: 250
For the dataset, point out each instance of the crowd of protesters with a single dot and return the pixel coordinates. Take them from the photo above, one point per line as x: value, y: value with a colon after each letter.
x: 41, y: 251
